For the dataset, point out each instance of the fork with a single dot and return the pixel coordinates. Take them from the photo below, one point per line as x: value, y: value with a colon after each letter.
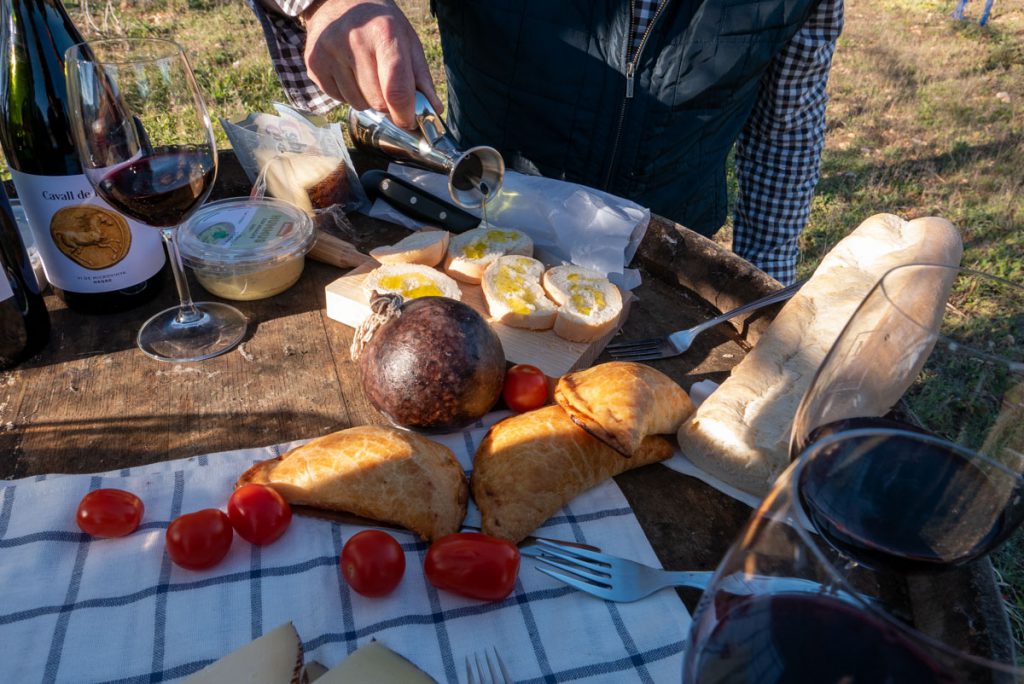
x: 679, y: 341
x: 623, y: 581
x: 489, y: 671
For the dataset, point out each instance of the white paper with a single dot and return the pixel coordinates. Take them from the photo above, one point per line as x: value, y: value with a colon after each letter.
x: 567, y: 222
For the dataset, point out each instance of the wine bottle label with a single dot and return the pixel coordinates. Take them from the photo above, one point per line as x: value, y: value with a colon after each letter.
x: 85, y: 245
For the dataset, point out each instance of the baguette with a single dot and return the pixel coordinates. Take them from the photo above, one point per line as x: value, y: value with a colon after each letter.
x: 470, y: 253
x: 740, y: 433
x: 426, y: 247
x: 589, y: 304
x: 411, y: 281
x: 511, y: 287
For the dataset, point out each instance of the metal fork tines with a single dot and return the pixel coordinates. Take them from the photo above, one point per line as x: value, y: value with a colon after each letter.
x: 487, y: 672
x: 678, y: 342
x: 609, y: 577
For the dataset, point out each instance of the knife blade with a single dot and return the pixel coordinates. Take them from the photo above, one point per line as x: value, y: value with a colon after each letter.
x: 415, y: 202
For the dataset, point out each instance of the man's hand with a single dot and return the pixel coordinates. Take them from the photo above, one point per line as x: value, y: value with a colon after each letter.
x: 366, y: 53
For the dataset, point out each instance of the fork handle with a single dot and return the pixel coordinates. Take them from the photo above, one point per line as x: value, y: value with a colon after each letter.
x: 685, y: 578
x: 777, y: 296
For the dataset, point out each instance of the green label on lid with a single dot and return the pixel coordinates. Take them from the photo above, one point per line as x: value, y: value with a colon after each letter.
x: 247, y: 228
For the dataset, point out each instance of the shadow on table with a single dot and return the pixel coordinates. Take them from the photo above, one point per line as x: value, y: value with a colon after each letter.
x: 112, y: 443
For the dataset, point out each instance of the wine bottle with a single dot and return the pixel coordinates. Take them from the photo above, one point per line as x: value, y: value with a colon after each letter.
x: 24, y: 323
x: 96, y: 259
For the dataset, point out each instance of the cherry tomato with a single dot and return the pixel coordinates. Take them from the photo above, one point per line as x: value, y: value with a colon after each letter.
x: 199, y: 540
x: 525, y: 389
x: 473, y: 564
x: 372, y: 562
x: 258, y: 513
x: 109, y: 513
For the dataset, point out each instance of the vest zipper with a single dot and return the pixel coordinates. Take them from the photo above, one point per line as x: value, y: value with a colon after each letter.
x: 630, y: 75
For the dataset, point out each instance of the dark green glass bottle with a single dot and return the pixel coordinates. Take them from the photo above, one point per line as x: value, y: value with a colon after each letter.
x: 97, y: 260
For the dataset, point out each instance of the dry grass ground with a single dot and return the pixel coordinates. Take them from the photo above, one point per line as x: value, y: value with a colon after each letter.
x: 926, y: 118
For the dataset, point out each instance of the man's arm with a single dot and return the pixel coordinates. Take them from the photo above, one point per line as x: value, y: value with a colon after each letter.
x: 364, y: 52
x: 779, y: 151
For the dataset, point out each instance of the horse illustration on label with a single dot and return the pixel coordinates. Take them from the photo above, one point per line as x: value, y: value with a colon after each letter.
x: 91, y: 236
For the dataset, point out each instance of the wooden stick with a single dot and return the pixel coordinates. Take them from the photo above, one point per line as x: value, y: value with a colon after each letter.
x: 336, y: 252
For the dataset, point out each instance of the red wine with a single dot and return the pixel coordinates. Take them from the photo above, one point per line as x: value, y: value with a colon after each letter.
x: 907, y: 501
x: 801, y: 638
x: 96, y: 260
x: 24, y: 322
x: 162, y: 188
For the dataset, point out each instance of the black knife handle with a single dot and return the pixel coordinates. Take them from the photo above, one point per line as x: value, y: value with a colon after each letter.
x: 417, y: 203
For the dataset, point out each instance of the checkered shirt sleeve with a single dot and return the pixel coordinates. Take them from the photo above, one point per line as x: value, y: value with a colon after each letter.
x: 286, y: 41
x: 779, y: 151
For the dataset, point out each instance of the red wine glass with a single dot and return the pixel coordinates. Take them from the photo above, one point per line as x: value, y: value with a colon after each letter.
x: 933, y: 359
x: 147, y: 147
x: 783, y: 606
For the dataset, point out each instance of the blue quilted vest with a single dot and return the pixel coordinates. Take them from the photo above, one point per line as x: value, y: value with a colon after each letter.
x: 549, y: 83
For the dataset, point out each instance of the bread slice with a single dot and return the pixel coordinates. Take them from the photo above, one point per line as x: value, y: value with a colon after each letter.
x: 470, y: 253
x: 740, y: 433
x: 511, y: 286
x: 426, y: 247
x: 589, y: 303
x: 530, y: 465
x: 382, y: 473
x: 622, y: 402
x: 411, y: 281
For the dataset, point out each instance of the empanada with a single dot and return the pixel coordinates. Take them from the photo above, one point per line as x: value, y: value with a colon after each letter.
x: 621, y: 402
x: 529, y: 466
x: 382, y: 473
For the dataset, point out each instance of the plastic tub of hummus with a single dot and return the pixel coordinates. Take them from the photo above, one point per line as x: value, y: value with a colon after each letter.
x: 245, y: 248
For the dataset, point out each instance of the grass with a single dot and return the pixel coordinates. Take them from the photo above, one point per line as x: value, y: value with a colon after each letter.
x: 926, y: 118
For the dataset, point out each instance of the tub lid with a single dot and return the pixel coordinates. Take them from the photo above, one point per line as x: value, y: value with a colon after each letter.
x: 245, y: 232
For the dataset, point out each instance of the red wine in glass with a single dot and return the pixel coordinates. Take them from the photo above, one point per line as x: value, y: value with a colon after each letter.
x: 892, y: 497
x: 805, y: 637
x: 161, y: 187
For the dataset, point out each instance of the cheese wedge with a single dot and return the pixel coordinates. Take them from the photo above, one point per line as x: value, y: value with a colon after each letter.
x: 470, y: 253
x: 589, y: 304
x: 411, y: 281
x: 274, y: 658
x: 309, y: 181
x: 426, y: 247
x: 374, y: 663
x: 511, y: 286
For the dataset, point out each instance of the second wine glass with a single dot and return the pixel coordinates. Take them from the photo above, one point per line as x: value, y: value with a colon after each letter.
x: 147, y: 146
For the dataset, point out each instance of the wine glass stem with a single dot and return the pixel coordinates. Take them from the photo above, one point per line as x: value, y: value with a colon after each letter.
x: 187, y: 312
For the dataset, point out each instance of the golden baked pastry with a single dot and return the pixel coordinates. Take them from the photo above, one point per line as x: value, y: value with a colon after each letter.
x: 381, y: 473
x: 621, y: 402
x: 528, y: 466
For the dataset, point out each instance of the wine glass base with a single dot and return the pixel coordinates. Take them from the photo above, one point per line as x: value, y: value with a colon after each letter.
x: 217, y: 329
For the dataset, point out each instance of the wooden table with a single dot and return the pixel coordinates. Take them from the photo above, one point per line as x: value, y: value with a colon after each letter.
x: 91, y: 401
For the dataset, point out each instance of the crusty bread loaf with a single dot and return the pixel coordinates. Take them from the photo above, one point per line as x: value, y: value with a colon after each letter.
x: 589, y: 304
x: 530, y: 465
x: 381, y: 473
x: 470, y: 253
x: 511, y: 287
x: 410, y: 281
x: 741, y: 432
x: 426, y: 247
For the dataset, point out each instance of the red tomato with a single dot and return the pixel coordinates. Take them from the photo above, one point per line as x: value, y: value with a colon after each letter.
x: 109, y: 513
x: 372, y: 562
x: 525, y: 389
x: 258, y: 513
x: 199, y: 540
x: 473, y: 564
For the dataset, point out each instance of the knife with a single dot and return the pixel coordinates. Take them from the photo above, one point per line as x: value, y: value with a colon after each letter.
x: 415, y: 202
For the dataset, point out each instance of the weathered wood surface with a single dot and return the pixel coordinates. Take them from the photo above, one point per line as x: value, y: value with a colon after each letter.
x: 92, y: 402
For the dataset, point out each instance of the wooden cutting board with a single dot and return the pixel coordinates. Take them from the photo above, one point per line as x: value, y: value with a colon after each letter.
x: 347, y: 303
